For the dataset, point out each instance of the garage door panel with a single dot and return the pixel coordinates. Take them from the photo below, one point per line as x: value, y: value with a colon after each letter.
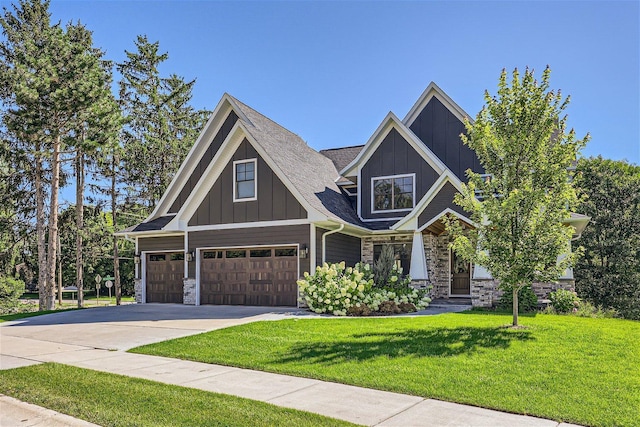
x: 164, y: 277
x: 261, y: 276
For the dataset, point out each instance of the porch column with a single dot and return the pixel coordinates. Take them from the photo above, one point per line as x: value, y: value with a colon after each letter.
x: 418, y: 269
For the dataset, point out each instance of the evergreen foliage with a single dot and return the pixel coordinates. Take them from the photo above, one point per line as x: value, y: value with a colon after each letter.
x: 609, y: 273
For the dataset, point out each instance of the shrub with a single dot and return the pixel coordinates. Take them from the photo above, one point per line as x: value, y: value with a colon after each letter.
x: 407, y: 307
x: 389, y: 307
x: 383, y: 266
x: 586, y: 309
x: 341, y: 290
x: 10, y: 291
x: 527, y: 299
x: 564, y: 301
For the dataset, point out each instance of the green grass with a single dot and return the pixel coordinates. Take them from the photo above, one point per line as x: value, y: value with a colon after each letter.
x: 564, y: 368
x: 18, y: 316
x: 114, y: 400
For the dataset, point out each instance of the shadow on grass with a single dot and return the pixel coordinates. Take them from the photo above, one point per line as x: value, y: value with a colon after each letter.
x: 439, y: 342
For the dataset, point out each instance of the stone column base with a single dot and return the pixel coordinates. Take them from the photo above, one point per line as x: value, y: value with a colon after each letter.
x: 189, y: 289
x: 137, y: 286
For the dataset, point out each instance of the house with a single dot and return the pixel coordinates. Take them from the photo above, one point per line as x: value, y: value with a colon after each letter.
x: 253, y: 207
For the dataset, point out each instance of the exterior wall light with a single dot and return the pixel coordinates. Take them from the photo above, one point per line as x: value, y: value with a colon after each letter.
x: 191, y: 256
x: 136, y: 258
x: 304, y: 252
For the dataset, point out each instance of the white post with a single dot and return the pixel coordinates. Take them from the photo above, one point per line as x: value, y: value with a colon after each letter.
x: 418, y: 269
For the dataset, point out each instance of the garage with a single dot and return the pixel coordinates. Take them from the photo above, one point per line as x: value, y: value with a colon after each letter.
x: 249, y: 276
x: 164, y: 277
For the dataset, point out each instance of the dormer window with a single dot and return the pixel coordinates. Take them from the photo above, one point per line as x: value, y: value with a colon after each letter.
x: 245, y: 184
x: 393, y: 193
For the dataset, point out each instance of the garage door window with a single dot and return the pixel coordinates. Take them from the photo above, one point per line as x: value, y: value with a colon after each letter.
x: 212, y: 254
x: 236, y: 254
x: 177, y: 257
x: 157, y: 257
x: 285, y: 252
x: 260, y: 253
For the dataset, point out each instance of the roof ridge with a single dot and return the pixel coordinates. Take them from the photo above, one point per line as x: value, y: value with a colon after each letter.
x: 343, y: 148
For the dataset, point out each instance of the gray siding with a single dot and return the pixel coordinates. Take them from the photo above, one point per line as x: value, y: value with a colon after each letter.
x: 440, y: 130
x: 217, y: 141
x: 340, y: 247
x: 280, y: 235
x: 394, y: 156
x: 442, y: 201
x: 275, y: 201
x: 161, y: 243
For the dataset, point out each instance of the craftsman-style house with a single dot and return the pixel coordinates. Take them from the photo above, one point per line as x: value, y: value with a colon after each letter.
x: 253, y: 207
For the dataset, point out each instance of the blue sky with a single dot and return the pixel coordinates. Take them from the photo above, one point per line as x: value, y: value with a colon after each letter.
x: 331, y: 71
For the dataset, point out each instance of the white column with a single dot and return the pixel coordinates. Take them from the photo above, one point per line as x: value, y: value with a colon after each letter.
x: 418, y: 270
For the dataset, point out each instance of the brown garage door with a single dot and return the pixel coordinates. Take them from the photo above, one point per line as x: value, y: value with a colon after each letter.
x: 256, y: 276
x: 164, y: 277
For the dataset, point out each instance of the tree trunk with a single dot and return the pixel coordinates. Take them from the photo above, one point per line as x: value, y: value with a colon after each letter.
x: 53, y: 225
x: 114, y: 206
x: 515, y: 306
x: 40, y: 232
x: 80, y: 226
x: 59, y: 272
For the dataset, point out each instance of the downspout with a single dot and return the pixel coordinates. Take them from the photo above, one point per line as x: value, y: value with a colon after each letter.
x: 324, y: 241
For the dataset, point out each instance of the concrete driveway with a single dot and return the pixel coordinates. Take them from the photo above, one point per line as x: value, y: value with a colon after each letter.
x: 119, y: 328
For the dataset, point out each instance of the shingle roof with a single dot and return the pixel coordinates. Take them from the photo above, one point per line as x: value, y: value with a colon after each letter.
x: 153, y: 225
x: 311, y: 173
x: 341, y: 157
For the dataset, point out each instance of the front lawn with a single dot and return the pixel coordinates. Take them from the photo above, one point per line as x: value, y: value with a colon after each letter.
x: 115, y: 400
x: 564, y: 368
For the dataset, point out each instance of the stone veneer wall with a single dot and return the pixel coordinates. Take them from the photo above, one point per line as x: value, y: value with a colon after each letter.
x: 436, y: 252
x: 137, y: 287
x: 485, y: 293
x: 189, y: 289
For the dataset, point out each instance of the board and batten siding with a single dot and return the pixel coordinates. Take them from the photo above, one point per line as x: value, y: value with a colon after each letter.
x: 440, y: 130
x: 255, y: 236
x: 274, y: 201
x: 214, y: 146
x: 442, y: 201
x: 170, y: 243
x: 394, y: 156
x: 340, y: 247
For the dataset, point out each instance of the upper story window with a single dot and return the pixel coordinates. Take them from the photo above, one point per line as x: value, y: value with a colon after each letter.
x: 245, y: 184
x: 393, y: 193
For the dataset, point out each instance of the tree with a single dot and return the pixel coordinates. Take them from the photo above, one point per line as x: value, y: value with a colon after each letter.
x: 609, y: 273
x: 160, y: 126
x: 521, y: 141
x: 50, y: 79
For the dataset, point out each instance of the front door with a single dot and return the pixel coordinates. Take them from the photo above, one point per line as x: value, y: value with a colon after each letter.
x: 460, y: 276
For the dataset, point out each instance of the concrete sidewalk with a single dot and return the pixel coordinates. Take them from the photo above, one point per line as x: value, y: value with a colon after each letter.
x: 355, y: 404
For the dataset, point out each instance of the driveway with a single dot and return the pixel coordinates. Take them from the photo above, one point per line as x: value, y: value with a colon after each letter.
x: 119, y: 328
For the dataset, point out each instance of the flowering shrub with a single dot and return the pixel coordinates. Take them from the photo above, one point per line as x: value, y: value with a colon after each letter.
x: 564, y: 301
x: 337, y: 289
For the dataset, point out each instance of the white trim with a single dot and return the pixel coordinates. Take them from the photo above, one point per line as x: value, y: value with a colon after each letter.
x: 389, y: 122
x: 418, y: 268
x: 312, y: 249
x: 199, y: 259
x: 393, y: 177
x: 255, y: 180
x: 431, y: 91
x: 435, y: 189
x: 254, y: 224
x: 137, y: 266
x: 444, y: 212
x: 186, y: 251
x: 381, y: 219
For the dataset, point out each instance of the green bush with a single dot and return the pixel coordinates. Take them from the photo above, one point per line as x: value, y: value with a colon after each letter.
x: 339, y: 290
x: 564, y: 301
x: 527, y: 300
x: 10, y: 291
x: 586, y: 309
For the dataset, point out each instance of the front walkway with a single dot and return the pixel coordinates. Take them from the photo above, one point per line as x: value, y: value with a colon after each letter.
x: 29, y: 344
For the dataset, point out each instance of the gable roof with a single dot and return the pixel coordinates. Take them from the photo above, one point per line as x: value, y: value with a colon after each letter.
x: 433, y: 90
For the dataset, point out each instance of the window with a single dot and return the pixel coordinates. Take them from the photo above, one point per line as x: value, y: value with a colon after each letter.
x: 212, y: 254
x: 393, y: 193
x: 260, y: 253
x: 244, y: 180
x: 285, y: 252
x: 236, y: 254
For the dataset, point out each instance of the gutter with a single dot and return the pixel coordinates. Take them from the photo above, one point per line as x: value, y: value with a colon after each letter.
x: 324, y: 241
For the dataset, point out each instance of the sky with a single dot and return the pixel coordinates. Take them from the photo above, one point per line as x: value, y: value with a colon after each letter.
x: 330, y: 71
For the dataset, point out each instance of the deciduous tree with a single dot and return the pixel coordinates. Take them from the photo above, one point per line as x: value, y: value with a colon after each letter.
x: 520, y: 137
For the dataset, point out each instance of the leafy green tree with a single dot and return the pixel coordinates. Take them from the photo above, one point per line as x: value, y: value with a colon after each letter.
x: 609, y: 273
x: 160, y: 127
x: 520, y: 137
